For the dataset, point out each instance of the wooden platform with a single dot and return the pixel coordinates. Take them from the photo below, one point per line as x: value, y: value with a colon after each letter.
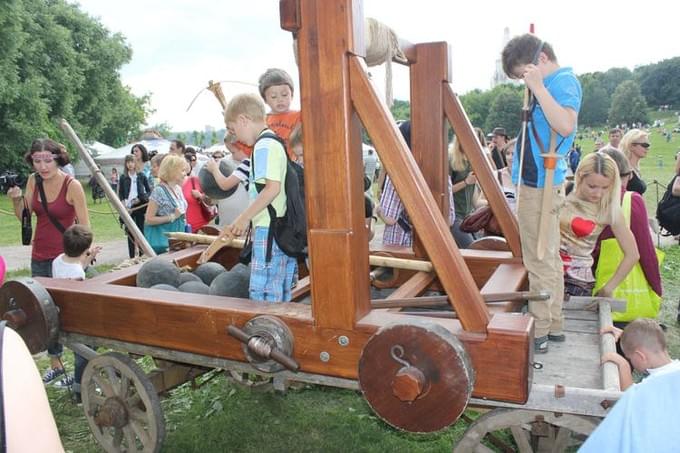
x: 569, y: 378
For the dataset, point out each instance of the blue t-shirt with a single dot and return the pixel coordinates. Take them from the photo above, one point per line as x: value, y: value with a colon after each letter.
x: 565, y: 88
x: 645, y: 419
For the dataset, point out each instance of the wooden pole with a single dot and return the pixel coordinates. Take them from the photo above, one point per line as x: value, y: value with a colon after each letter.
x: 110, y: 194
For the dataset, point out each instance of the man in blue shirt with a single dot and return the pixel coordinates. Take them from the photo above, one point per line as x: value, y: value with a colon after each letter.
x: 557, y: 100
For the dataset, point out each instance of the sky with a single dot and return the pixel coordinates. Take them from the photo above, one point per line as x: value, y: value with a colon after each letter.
x: 179, y: 45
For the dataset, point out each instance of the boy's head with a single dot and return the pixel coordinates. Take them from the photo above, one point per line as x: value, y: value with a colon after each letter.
x: 245, y: 117
x: 642, y: 341
x: 238, y: 150
x: 77, y: 240
x: 177, y: 147
x: 523, y: 50
x: 276, y: 88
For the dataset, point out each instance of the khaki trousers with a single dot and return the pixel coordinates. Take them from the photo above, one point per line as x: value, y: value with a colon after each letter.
x: 547, y: 274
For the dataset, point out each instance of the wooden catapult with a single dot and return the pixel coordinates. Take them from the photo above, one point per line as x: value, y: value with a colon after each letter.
x: 417, y: 371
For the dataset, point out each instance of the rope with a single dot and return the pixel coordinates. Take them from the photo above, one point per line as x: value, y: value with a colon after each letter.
x: 382, y: 46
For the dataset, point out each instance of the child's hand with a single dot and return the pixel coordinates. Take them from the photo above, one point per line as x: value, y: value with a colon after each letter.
x: 532, y: 77
x: 238, y: 227
x: 177, y: 213
x: 605, y: 292
x: 196, y: 194
x: 211, y: 166
x: 612, y: 330
x: 14, y: 192
x: 612, y: 357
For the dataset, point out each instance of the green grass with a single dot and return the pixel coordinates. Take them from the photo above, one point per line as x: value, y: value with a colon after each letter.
x: 102, y: 218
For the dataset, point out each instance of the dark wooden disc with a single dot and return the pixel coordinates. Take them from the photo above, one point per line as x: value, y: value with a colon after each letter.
x: 441, y: 358
x: 26, y: 298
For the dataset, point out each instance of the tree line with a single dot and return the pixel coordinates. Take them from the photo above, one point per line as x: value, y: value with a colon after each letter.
x: 613, y: 97
x: 58, y: 62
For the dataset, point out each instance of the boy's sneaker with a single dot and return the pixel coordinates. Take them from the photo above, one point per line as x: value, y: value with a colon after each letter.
x: 51, y: 375
x: 64, y: 383
x: 541, y: 345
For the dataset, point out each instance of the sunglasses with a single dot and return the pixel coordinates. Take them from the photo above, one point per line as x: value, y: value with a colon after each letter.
x: 644, y: 145
x: 217, y: 157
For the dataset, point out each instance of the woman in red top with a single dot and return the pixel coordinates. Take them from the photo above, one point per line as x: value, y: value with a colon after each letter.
x: 197, y: 216
x: 65, y: 201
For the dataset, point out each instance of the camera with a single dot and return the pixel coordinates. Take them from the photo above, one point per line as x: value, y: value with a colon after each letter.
x: 9, y: 179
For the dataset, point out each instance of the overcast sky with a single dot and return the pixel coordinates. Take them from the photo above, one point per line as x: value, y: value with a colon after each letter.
x: 178, y: 45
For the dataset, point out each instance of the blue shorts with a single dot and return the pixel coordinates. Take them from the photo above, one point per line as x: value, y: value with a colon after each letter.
x: 272, y: 281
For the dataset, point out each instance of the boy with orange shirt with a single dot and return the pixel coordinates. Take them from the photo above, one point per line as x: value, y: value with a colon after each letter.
x: 276, y: 88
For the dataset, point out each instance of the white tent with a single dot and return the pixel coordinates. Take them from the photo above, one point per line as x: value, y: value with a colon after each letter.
x: 116, y: 156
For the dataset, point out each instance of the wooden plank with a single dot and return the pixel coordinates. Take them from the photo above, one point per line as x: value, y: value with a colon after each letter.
x: 417, y: 197
x: 610, y: 372
x: 289, y: 13
x: 302, y: 288
x: 338, y: 241
x: 428, y: 132
x: 473, y: 150
x: 507, y: 277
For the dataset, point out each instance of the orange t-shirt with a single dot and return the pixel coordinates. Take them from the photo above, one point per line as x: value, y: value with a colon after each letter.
x: 283, y: 124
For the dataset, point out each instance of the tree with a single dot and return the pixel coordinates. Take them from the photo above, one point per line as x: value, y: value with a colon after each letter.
x: 614, y: 77
x: 659, y: 82
x: 401, y: 110
x: 477, y: 104
x: 596, y: 101
x: 505, y: 110
x: 57, y: 62
x: 628, y: 105
x: 213, y: 137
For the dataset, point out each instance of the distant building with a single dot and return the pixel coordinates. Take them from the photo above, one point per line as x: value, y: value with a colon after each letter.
x: 499, y: 76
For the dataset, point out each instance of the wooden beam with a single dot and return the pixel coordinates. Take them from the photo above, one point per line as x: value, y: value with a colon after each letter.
x: 414, y: 286
x: 428, y: 125
x: 473, y: 150
x: 338, y: 241
x: 417, y: 197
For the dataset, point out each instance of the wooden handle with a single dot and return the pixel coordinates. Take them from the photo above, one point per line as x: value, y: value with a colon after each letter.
x: 546, y: 206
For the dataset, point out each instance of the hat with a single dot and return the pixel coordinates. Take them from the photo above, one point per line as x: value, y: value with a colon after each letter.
x: 500, y: 131
x: 273, y: 77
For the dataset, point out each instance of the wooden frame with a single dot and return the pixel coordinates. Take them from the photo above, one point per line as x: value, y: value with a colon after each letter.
x: 336, y: 94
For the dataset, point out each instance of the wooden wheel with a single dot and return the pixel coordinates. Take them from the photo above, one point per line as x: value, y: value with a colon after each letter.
x: 29, y: 310
x: 532, y: 430
x: 121, y: 405
x: 416, y: 376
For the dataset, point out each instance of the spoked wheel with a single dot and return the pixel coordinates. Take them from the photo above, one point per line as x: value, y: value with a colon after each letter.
x: 251, y: 381
x: 121, y: 405
x: 533, y: 431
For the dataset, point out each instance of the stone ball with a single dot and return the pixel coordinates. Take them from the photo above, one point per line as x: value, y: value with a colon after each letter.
x: 188, y: 277
x: 208, y: 184
x: 232, y: 284
x: 158, y: 270
x: 208, y: 271
x: 194, y: 287
x: 164, y: 287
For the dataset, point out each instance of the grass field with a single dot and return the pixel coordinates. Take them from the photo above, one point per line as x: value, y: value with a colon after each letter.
x: 221, y: 416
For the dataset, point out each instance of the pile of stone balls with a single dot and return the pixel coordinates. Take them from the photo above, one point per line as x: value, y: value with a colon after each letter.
x: 208, y: 278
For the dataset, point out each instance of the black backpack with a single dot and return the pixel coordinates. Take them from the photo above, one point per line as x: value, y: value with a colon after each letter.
x: 668, y: 211
x: 289, y: 231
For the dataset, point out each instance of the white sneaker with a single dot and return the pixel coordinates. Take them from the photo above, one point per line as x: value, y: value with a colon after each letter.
x: 64, y: 383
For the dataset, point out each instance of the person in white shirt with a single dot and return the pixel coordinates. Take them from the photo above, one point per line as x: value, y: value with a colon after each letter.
x: 78, y: 254
x: 645, y: 418
x: 229, y: 208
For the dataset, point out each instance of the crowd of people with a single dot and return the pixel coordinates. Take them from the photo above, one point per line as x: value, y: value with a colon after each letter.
x: 595, y: 202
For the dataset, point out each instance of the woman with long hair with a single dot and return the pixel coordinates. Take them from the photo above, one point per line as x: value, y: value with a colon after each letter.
x: 142, y: 161
x: 133, y: 191
x: 58, y: 200
x: 464, y: 184
x: 635, y: 146
x: 167, y: 205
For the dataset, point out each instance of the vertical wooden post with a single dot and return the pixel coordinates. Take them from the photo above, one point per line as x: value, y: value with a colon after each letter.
x: 338, y: 241
x: 428, y: 131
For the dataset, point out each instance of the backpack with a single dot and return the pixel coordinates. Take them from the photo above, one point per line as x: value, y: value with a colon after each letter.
x: 289, y: 231
x: 668, y: 211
